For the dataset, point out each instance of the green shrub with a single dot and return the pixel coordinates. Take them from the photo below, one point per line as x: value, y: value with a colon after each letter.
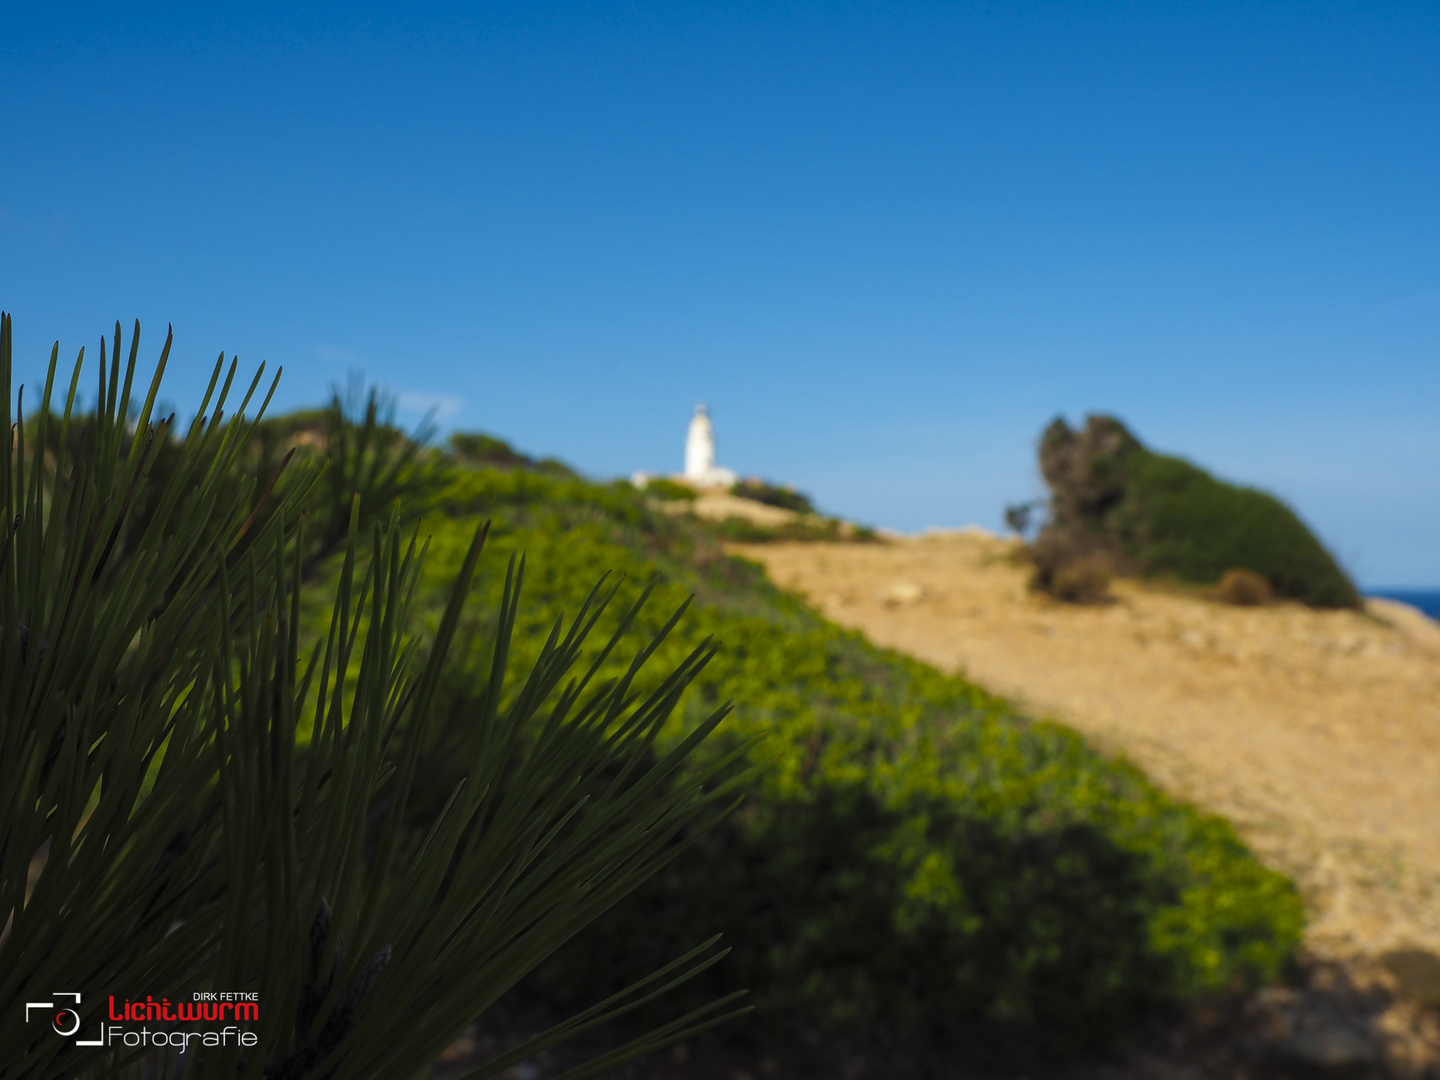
x: 1178, y: 519
x: 807, y: 529
x: 477, y: 448
x: 786, y: 498
x: 917, y: 853
x: 662, y: 487
x: 1169, y: 518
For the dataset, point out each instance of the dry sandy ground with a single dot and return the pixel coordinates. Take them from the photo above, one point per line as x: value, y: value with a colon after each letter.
x: 718, y: 505
x: 1316, y: 733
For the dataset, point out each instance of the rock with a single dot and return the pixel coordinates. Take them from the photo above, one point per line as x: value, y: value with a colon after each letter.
x: 1332, y: 1047
x: 902, y: 593
x: 1417, y: 973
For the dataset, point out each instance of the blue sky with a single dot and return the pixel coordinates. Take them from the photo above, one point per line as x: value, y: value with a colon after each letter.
x: 885, y: 243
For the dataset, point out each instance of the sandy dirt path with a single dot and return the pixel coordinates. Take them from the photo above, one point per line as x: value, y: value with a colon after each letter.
x: 1316, y: 733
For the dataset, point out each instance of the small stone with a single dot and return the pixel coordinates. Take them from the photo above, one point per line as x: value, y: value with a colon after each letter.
x: 1331, y: 1047
x: 902, y: 592
x: 1418, y: 974
x: 460, y: 1049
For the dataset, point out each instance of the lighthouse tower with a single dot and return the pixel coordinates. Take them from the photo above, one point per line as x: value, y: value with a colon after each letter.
x: 700, y: 447
x: 700, y: 467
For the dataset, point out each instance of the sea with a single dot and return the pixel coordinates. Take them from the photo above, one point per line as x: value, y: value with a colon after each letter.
x: 1427, y: 600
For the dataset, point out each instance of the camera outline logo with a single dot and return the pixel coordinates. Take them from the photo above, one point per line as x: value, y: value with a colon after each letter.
x: 58, y: 1021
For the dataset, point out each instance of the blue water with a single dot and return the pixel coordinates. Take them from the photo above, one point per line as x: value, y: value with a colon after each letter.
x: 1427, y: 600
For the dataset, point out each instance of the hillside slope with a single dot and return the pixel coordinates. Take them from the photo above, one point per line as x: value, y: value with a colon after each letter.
x: 1317, y: 732
x: 917, y: 863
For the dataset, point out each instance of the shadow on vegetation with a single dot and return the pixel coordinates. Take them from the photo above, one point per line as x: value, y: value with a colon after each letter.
x: 852, y: 965
x: 1325, y: 1021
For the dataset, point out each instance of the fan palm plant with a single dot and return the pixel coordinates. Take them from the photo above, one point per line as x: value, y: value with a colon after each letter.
x: 364, y: 450
x: 196, y: 803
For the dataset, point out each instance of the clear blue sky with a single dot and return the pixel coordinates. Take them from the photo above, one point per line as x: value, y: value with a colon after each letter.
x: 886, y: 244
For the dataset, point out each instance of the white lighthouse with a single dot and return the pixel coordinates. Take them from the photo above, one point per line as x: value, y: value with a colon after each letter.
x: 700, y: 467
x: 699, y: 446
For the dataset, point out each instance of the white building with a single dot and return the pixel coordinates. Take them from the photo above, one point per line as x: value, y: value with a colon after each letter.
x: 700, y: 467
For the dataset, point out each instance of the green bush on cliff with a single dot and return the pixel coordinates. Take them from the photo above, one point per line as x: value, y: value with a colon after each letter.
x: 1167, y: 517
x: 662, y: 487
x: 778, y: 495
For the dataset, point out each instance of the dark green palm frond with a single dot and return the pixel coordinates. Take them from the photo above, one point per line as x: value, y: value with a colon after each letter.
x: 163, y: 832
x: 369, y: 453
x: 107, y: 838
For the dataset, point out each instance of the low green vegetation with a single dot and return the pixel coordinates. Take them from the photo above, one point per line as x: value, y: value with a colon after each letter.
x: 916, y: 855
x: 1162, y: 516
x: 778, y: 495
x: 662, y: 487
x: 807, y: 528
x: 477, y: 448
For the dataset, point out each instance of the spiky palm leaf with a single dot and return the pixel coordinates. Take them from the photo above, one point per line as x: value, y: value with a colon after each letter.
x: 163, y: 832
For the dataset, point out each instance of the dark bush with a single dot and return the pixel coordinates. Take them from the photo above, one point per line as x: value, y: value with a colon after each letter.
x: 1088, y: 470
x: 1085, y: 581
x: 1243, y: 588
x: 553, y: 466
x: 1074, y: 569
x: 1167, y: 517
x: 1019, y: 517
x: 477, y: 448
x: 785, y: 498
x: 1179, y: 520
